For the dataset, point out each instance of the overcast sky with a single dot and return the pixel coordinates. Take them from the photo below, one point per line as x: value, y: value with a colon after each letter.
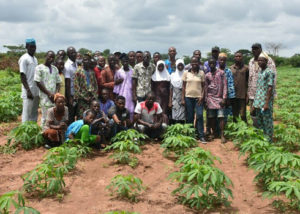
x: 153, y: 25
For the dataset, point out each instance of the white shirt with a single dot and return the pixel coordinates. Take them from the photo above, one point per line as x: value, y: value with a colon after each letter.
x: 69, y: 72
x: 27, y: 66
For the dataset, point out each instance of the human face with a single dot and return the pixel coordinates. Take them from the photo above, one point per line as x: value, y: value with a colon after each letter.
x: 212, y: 64
x: 86, y: 61
x: 150, y: 100
x: 120, y: 104
x: 60, y: 103
x: 256, y: 51
x: 222, y: 61
x: 31, y: 49
x: 238, y: 58
x: 71, y: 52
x: 215, y: 54
x: 125, y: 63
x: 146, y: 58
x: 195, y: 64
x: 112, y: 61
x: 197, y: 54
x: 89, y: 118
x: 160, y: 67
x: 139, y: 57
x: 93, y: 63
x: 61, y: 54
x: 104, y: 95
x: 131, y: 56
x: 180, y: 67
x: 101, y: 61
x: 95, y: 106
x: 156, y: 58
x: 60, y: 65
x: 172, y: 52
x: 50, y: 58
x: 262, y: 62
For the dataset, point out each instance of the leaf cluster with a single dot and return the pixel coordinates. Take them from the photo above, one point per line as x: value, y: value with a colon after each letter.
x: 180, y: 129
x: 126, y: 187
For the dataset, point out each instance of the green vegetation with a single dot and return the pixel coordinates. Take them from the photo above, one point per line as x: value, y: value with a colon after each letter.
x: 126, y: 187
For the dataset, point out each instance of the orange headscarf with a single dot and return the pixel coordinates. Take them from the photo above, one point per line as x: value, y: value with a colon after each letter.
x: 58, y: 95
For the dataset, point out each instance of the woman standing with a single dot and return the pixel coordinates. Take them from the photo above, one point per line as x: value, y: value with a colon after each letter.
x: 56, y: 122
x: 123, y: 83
x: 193, y: 96
x: 178, y: 110
x: 160, y: 85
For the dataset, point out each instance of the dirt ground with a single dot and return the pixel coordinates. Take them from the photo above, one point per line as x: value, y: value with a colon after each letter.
x: 85, y: 186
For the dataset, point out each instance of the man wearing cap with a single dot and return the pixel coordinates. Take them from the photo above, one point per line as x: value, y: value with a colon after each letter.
x: 215, y: 51
x: 264, y: 96
x: 254, y: 69
x: 27, y: 64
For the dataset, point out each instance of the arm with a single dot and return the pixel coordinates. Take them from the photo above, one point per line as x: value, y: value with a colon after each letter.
x: 140, y: 121
x: 269, y: 94
x: 44, y: 90
x: 69, y: 101
x: 105, y: 82
x: 57, y: 87
x: 116, y: 119
x: 201, y: 98
x: 134, y: 83
x: 170, y: 96
x: 25, y: 84
x: 159, y: 119
x: 183, y: 93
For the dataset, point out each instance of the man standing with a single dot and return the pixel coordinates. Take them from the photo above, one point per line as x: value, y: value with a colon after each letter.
x: 253, y: 75
x: 156, y: 58
x: 27, y: 64
x: 263, y: 100
x: 141, y: 78
x: 48, y: 81
x: 131, y: 56
x: 215, y: 51
x: 107, y: 76
x: 240, y: 75
x: 197, y: 54
x: 99, y: 67
x: 171, y: 62
x: 139, y: 57
x: 69, y: 72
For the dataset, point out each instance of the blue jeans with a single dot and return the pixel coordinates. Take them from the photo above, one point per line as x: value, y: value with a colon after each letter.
x: 191, y: 105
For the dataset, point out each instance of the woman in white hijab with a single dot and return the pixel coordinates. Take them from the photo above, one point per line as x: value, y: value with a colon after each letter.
x: 178, y: 110
x: 160, y: 85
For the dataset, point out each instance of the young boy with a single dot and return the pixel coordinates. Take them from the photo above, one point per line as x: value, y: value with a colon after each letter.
x: 105, y: 102
x: 120, y: 116
x: 80, y: 129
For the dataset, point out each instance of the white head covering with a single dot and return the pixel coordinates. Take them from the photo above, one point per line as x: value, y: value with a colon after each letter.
x: 163, y: 75
x: 263, y: 55
x: 176, y: 77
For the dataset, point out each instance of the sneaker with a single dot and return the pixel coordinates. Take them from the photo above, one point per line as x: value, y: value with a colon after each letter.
x: 47, y: 146
x: 202, y: 140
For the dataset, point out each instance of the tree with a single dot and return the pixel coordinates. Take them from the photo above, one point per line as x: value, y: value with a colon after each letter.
x: 15, y: 49
x: 273, y: 48
x: 83, y: 51
x: 106, y: 53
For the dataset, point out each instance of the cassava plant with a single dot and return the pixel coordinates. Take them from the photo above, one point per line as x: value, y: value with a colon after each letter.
x: 15, y: 199
x: 180, y: 129
x: 126, y: 187
x: 130, y: 135
x: 177, y: 144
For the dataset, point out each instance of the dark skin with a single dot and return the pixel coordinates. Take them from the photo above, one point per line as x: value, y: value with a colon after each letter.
x: 104, y: 95
x: 149, y: 104
x: 180, y: 67
x: 125, y: 63
x: 59, y: 108
x: 31, y: 51
x: 238, y: 62
x: 215, y: 54
x: 195, y: 70
x: 256, y: 51
x: 172, y: 54
x: 120, y: 104
x: 222, y: 64
x: 60, y: 65
x: 112, y: 62
x: 101, y: 61
x: 71, y: 53
x: 61, y: 54
x: 139, y: 57
x: 95, y: 107
x: 146, y: 63
x: 48, y: 61
x: 197, y: 54
x: 156, y: 58
x: 131, y: 56
x: 212, y: 121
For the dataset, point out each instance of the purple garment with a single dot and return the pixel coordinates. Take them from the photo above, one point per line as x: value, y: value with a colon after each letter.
x: 125, y: 88
x: 106, y: 106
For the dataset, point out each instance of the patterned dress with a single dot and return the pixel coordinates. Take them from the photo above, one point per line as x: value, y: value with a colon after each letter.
x: 178, y: 110
x: 86, y: 89
x: 264, y: 118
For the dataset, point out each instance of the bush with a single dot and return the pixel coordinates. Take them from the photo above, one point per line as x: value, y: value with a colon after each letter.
x: 295, y: 60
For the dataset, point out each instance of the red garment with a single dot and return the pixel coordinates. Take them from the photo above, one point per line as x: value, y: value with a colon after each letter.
x: 107, y: 81
x: 98, y: 78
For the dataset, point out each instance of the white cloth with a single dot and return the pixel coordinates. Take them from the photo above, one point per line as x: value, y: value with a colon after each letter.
x: 161, y: 75
x: 147, y: 115
x: 69, y: 72
x: 30, y: 109
x: 176, y: 77
x: 27, y: 66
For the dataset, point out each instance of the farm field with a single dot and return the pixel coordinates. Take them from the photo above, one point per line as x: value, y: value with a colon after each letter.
x: 85, y: 184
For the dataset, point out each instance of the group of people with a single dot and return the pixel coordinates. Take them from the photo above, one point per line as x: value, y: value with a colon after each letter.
x: 84, y: 97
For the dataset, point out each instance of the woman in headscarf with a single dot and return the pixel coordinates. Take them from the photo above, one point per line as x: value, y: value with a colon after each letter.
x: 56, y: 122
x: 178, y: 110
x: 160, y: 85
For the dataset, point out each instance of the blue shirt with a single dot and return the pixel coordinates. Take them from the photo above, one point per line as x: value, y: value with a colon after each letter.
x: 106, y: 106
x: 169, y: 67
x: 74, y: 128
x: 230, y: 83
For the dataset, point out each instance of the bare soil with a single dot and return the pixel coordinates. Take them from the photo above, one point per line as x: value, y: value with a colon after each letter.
x: 85, y: 186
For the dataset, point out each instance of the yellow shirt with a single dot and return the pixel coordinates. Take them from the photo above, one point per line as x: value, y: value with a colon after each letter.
x: 62, y: 89
x: 194, y: 82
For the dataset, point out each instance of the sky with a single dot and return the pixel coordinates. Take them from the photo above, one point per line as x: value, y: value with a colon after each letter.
x: 154, y: 25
